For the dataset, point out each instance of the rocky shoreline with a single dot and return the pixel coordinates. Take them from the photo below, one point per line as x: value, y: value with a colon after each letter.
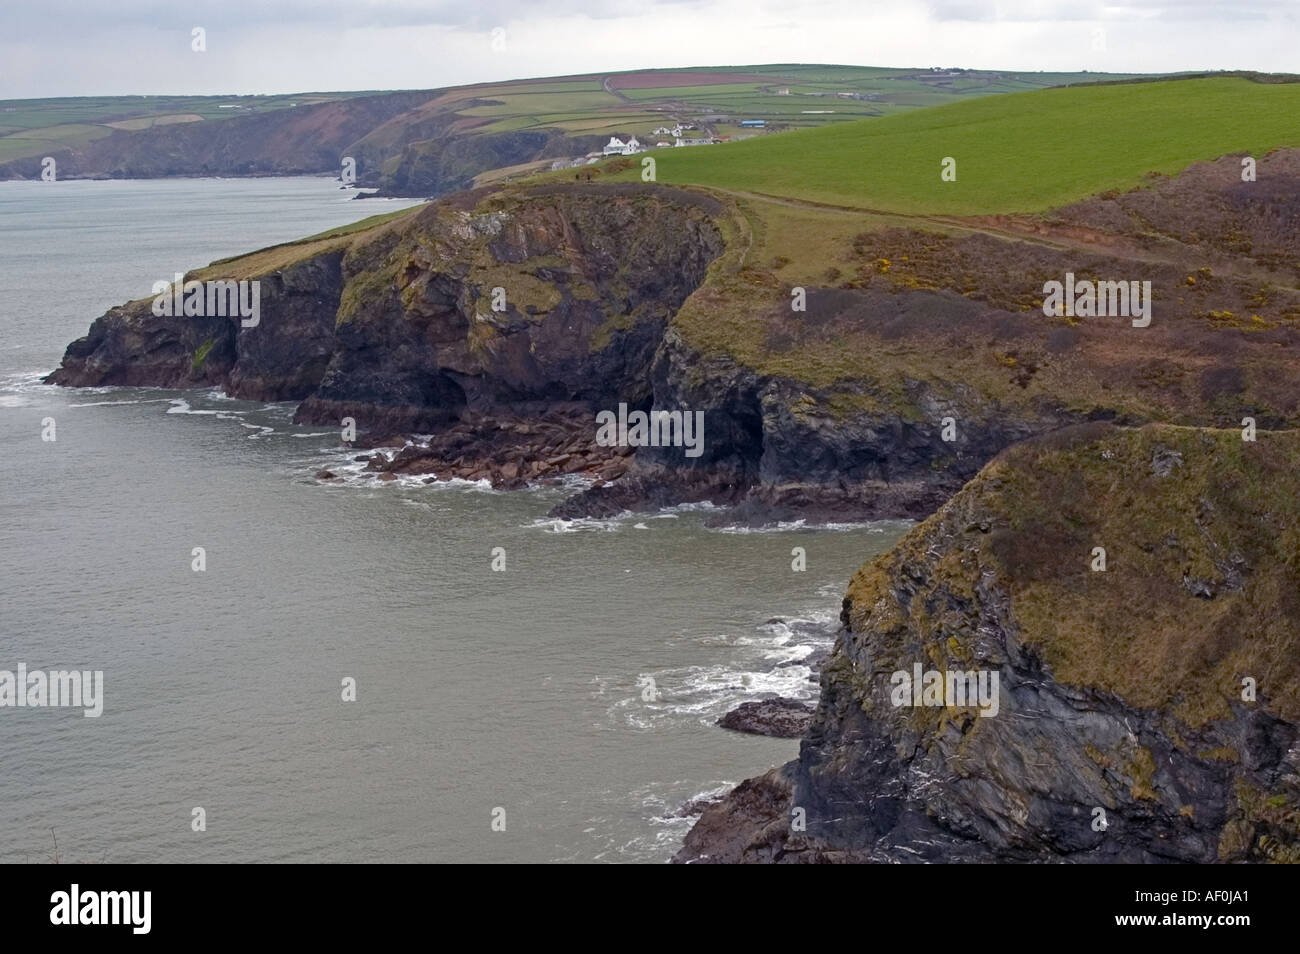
x: 509, y: 452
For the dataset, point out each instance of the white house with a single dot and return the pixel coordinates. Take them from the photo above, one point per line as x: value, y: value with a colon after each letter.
x: 617, y: 147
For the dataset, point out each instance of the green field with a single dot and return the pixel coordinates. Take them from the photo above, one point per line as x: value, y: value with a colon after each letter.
x: 582, y: 105
x: 1022, y: 152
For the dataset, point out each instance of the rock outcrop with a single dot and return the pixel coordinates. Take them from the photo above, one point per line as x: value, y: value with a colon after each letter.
x: 780, y: 718
x: 519, y: 301
x: 1137, y: 594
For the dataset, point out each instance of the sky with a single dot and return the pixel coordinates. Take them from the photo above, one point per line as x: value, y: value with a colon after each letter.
x: 120, y: 47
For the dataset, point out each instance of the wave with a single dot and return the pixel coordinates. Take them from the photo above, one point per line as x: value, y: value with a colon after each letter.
x: 787, y: 526
x: 579, y: 524
x: 770, y: 660
x: 661, y: 805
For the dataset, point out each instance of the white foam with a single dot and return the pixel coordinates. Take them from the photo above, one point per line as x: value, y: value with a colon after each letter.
x: 116, y: 403
x: 26, y: 381
x: 781, y: 527
x: 182, y: 406
x: 786, y: 526
x: 577, y: 525
x: 699, y: 506
x: 759, y: 665
x: 262, y: 430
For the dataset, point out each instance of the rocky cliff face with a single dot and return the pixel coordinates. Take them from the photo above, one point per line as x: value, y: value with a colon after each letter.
x: 919, y: 356
x: 550, y: 297
x: 498, y: 301
x: 447, y: 162
x: 281, y: 359
x: 1146, y: 712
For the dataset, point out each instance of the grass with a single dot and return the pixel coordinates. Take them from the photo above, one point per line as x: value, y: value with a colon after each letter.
x: 1023, y: 152
x: 201, y: 355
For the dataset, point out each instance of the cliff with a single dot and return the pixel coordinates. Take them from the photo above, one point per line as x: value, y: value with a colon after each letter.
x: 1146, y: 712
x: 921, y: 351
x: 304, y: 140
x: 400, y: 324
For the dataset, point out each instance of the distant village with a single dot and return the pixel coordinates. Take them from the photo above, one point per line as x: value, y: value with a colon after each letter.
x: 680, y: 133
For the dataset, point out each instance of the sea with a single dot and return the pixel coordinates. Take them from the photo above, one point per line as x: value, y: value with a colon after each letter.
x: 307, y: 671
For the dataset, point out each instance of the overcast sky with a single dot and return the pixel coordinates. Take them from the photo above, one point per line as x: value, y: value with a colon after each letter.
x: 69, y: 48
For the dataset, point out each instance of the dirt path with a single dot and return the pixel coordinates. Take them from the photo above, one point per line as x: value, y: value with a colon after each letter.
x: 607, y: 85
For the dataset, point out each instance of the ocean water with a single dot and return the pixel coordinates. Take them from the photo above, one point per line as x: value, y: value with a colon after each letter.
x: 518, y: 695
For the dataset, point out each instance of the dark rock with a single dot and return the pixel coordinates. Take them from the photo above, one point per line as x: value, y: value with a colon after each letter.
x: 749, y: 825
x: 696, y: 806
x: 780, y: 718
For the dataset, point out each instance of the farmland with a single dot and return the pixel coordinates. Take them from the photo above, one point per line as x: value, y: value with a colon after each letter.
x: 1022, y: 152
x: 435, y: 141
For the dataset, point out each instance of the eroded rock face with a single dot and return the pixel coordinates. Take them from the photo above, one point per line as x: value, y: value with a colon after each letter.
x: 280, y: 359
x: 559, y: 296
x: 749, y: 825
x: 1120, y: 692
x: 524, y: 302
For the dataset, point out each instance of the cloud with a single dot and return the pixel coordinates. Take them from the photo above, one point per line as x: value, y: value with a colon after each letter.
x: 61, y: 48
